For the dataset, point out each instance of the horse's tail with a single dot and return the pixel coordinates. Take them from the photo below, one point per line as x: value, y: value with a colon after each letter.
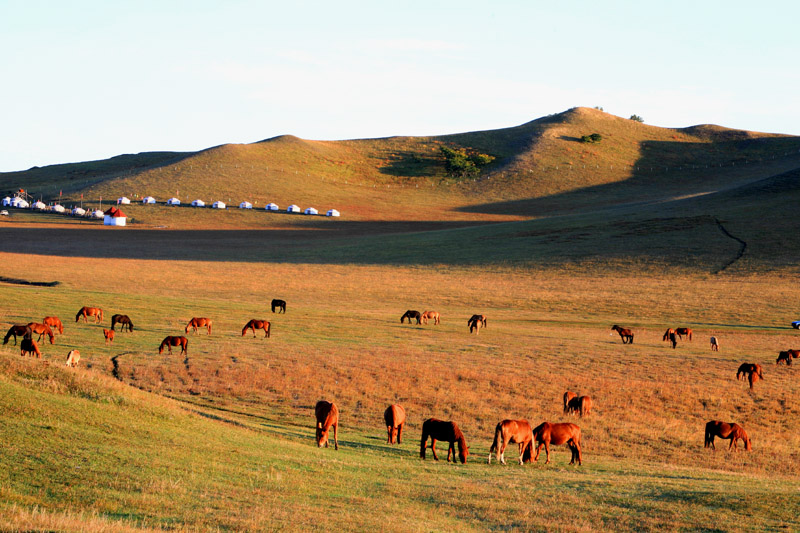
x: 208, y: 322
x: 423, y: 444
x: 101, y: 314
x: 498, y: 435
x: 707, y: 440
x: 269, y: 326
x: 690, y: 334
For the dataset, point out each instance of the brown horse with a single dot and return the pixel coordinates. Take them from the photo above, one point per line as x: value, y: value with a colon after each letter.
x: 714, y: 344
x: 516, y: 431
x: 327, y: 415
x: 724, y: 430
x: 17, y: 330
x: 199, y: 322
x: 86, y: 312
x: 581, y: 405
x: 73, y: 358
x: 624, y: 333
x: 123, y: 320
x: 109, y: 335
x: 683, y: 332
x: 395, y: 418
x: 569, y: 395
x: 556, y: 434
x: 42, y: 330
x: 257, y: 324
x: 750, y: 370
x: 55, y: 324
x: 784, y: 357
x: 475, y: 323
x: 171, y: 341
x: 280, y: 305
x: 667, y: 333
x: 445, y: 431
x: 411, y: 314
x: 29, y: 346
x: 433, y: 315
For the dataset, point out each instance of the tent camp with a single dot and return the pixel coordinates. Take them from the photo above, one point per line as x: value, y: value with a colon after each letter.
x: 6, y: 201
x: 96, y: 214
x: 245, y: 205
x: 148, y: 200
x: 293, y: 209
x: 311, y: 211
x: 272, y: 207
x: 123, y: 200
x: 19, y: 203
x: 198, y: 203
x: 58, y: 208
x: 333, y: 213
x: 218, y: 205
x: 78, y: 212
x: 114, y: 217
x: 173, y: 201
x: 40, y: 205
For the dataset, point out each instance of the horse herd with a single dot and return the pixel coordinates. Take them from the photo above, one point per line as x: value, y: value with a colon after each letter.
x: 474, y: 323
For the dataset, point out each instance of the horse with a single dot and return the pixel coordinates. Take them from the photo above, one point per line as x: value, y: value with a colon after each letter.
x: 794, y: 353
x: 411, y: 314
x: 73, y: 358
x: 556, y: 434
x: 445, y: 431
x: 29, y: 346
x: 55, y: 323
x: 171, y: 341
x: 327, y: 415
x: 579, y: 404
x: 683, y: 332
x: 624, y: 333
x: 516, y: 431
x: 123, y: 320
x: 41, y: 330
x: 86, y: 312
x: 475, y: 322
x: 199, y: 322
x: 17, y: 330
x: 725, y: 430
x: 750, y: 370
x: 395, y: 418
x: 279, y: 304
x: 673, y: 340
x: 667, y: 333
x: 569, y: 395
x: 257, y: 324
x: 784, y: 357
x: 108, y: 334
x: 714, y: 344
x: 432, y: 315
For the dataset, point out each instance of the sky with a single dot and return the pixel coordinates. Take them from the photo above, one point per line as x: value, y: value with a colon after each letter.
x: 85, y: 80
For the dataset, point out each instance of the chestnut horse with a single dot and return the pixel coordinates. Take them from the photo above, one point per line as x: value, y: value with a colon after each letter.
x: 199, y: 322
x: 55, y: 324
x: 433, y: 315
x: 624, y: 333
x: 279, y: 304
x: 41, y: 330
x: 109, y: 335
x: 683, y: 332
x: 395, y: 418
x: 257, y: 324
x: 475, y: 322
x: 784, y: 357
x: 73, y: 358
x: 86, y: 312
x: 327, y: 415
x: 714, y: 344
x: 556, y: 434
x: 750, y: 370
x: 569, y: 395
x: 29, y: 346
x: 123, y: 320
x: 581, y: 405
x: 171, y: 341
x: 411, y: 314
x: 16, y: 330
x: 724, y: 430
x: 516, y: 431
x: 445, y: 431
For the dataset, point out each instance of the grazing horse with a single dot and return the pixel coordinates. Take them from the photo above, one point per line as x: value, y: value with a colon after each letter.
x: 579, y: 404
x: 327, y: 415
x: 279, y: 304
x: 784, y: 357
x: 624, y: 333
x: 171, y: 341
x: 257, y: 324
x: 108, y: 334
x: 395, y: 418
x: 750, y: 370
x: 475, y: 322
x: 73, y: 358
x: 568, y: 396
x: 411, y: 314
x: 445, y: 431
x: 684, y: 332
x: 725, y: 430
x: 714, y: 344
x: 556, y: 434
x: 517, y: 431
x: 199, y: 322
x: 29, y: 346
x: 123, y: 320
x: 55, y: 324
x: 794, y: 353
x: 673, y: 340
x: 86, y: 312
x: 433, y: 315
x: 667, y: 333
x: 41, y: 330
x: 17, y: 330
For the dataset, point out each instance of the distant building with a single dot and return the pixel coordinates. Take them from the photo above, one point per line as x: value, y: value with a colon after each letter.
x: 272, y: 207
x: 245, y: 205
x: 123, y: 200
x: 198, y: 203
x: 311, y: 211
x: 114, y: 217
x: 293, y: 209
x: 333, y: 213
x: 148, y: 200
x: 219, y: 205
x: 173, y: 201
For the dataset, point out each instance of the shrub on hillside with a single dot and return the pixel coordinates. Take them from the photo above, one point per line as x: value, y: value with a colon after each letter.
x: 637, y: 118
x: 460, y: 163
x: 593, y: 138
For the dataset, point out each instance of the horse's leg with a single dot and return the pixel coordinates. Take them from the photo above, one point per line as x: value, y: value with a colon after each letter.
x: 400, y: 432
x: 501, y: 455
x: 521, y: 451
x: 547, y: 449
x: 433, y: 449
x: 538, y: 449
x: 389, y: 437
x: 451, y: 449
x: 335, y: 438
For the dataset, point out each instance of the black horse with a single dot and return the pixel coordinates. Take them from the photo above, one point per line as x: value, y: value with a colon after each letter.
x: 411, y: 314
x: 279, y: 304
x: 123, y: 320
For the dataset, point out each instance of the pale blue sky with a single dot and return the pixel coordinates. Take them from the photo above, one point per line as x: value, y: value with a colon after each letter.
x: 83, y: 80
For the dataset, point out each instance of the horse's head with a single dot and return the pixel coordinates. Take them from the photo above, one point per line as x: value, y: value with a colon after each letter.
x: 322, y: 436
x: 743, y: 434
x: 463, y: 450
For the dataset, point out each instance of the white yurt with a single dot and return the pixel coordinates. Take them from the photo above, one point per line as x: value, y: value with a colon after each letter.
x: 245, y: 205
x: 333, y: 213
x: 272, y: 207
x: 293, y: 209
x: 96, y: 214
x: 218, y: 205
x: 148, y: 200
x: 78, y: 212
x: 123, y: 200
x: 114, y: 217
x: 173, y: 201
x: 58, y: 208
x: 311, y: 211
x: 198, y: 203
x: 6, y: 201
x: 19, y: 203
x: 40, y: 205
